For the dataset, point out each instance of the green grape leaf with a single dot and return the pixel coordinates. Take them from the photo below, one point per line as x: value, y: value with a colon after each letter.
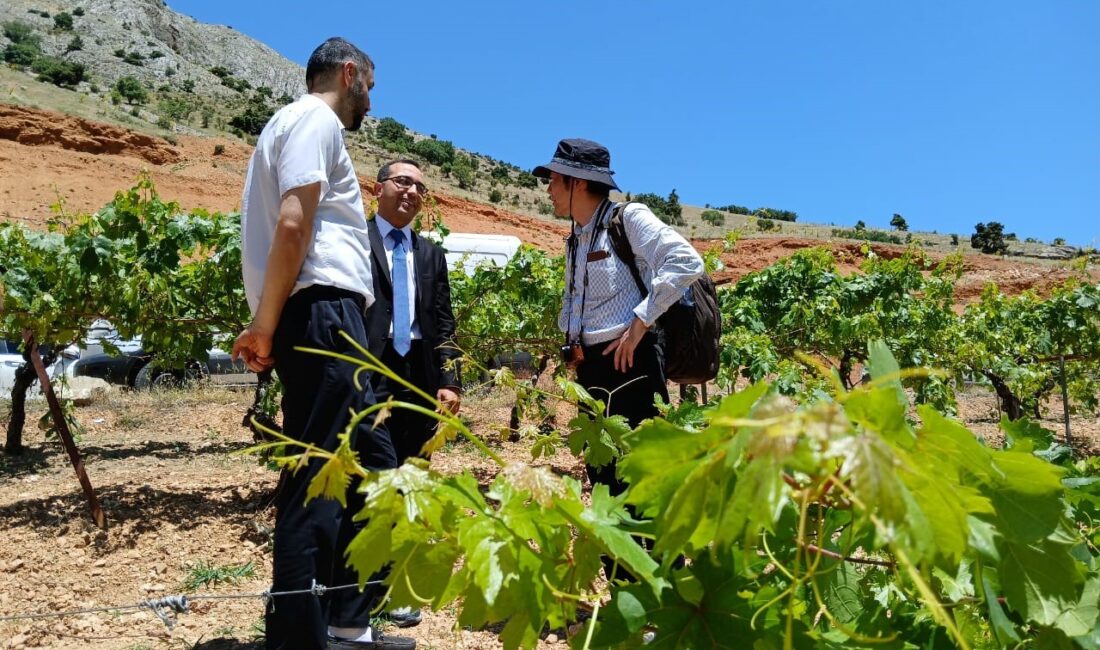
x: 1039, y: 580
x: 884, y: 370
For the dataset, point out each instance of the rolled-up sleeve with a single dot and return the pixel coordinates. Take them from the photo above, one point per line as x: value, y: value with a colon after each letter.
x: 674, y: 262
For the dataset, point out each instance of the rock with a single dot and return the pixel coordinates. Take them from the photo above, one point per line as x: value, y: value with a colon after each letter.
x: 551, y: 638
x: 15, y: 564
x: 100, y: 563
x: 85, y: 390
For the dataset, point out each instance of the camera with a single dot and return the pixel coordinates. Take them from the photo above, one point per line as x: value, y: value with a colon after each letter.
x: 572, y: 354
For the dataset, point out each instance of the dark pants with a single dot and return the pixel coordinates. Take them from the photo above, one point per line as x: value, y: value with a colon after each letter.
x: 597, y: 374
x: 318, y: 392
x: 408, y: 430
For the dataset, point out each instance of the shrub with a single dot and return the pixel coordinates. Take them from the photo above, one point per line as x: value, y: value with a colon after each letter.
x: 527, y: 179
x: 20, y: 32
x: 134, y: 58
x: 219, y: 149
x: 773, y: 213
x: 254, y: 117
x: 131, y: 90
x: 667, y: 210
x: 767, y: 225
x: 867, y: 235
x: 860, y: 226
x: 495, y: 196
x: 714, y: 217
x: 898, y: 223
x: 989, y: 238
x: 156, y: 54
x: 79, y: 11
x: 954, y: 239
x: 187, y: 85
x: 734, y: 208
x: 546, y: 208
x: 500, y: 173
x: 176, y: 108
x: 220, y: 72
x: 63, y: 21
x: 1059, y: 241
x: 75, y: 43
x: 20, y: 54
x: 436, y: 152
x: 392, y: 135
x: 58, y: 72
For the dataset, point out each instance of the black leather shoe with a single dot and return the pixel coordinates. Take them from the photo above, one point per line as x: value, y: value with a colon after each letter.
x: 381, y: 642
x: 405, y: 617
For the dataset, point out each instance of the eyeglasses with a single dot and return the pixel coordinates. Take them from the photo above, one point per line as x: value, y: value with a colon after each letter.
x: 405, y: 182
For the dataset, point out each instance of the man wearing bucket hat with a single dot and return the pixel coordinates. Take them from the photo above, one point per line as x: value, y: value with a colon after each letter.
x: 605, y: 316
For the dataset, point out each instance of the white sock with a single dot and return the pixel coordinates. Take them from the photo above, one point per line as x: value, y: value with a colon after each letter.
x: 362, y: 634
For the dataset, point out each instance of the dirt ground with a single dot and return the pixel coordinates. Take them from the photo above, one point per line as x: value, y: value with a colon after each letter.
x: 177, y: 493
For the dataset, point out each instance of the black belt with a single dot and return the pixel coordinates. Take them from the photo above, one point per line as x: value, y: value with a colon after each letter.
x: 327, y: 292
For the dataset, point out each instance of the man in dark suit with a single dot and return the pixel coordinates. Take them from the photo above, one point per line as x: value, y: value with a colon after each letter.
x: 410, y: 325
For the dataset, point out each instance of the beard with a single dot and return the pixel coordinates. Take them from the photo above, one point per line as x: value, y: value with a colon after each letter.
x: 357, y: 99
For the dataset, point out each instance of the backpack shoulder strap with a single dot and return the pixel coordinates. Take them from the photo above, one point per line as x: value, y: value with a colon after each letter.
x: 620, y: 243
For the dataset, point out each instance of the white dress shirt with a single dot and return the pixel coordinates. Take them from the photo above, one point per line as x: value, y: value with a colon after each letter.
x: 667, y: 263
x: 384, y: 229
x: 302, y: 144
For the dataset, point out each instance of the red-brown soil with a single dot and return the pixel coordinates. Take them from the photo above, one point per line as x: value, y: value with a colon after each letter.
x: 45, y: 156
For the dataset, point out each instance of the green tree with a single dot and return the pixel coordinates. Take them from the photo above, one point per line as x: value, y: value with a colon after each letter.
x: 714, y: 217
x: 860, y: 226
x: 131, y: 90
x: 75, y: 43
x: 898, y: 223
x: 254, y: 117
x: 393, y: 135
x: 20, y: 54
x: 436, y: 152
x: 63, y: 21
x: 20, y: 32
x: 989, y: 238
x: 496, y: 196
x: 58, y: 72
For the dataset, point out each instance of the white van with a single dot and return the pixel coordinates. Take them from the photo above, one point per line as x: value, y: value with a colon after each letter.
x: 471, y: 250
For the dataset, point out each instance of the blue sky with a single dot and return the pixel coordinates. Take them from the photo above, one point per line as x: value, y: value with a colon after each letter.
x: 949, y: 113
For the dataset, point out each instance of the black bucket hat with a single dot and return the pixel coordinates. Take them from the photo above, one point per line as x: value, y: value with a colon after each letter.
x: 580, y: 158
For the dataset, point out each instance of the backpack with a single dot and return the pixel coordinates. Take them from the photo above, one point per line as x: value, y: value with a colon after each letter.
x: 691, y: 326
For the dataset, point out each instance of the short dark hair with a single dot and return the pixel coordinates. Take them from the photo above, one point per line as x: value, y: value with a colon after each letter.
x: 330, y: 55
x: 597, y: 189
x: 384, y: 170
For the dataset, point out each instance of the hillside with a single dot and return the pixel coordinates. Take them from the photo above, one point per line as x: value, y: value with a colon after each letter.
x: 200, y: 80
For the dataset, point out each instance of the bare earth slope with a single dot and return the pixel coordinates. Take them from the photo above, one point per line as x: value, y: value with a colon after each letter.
x: 46, y: 155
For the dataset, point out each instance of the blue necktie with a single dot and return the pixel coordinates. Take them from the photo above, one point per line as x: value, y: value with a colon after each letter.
x: 402, y: 324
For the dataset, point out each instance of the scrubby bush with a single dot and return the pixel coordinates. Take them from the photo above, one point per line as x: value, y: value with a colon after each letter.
x: 79, y: 11
x: 393, y: 135
x: 75, y: 43
x: 254, y: 118
x: 954, y: 239
x: 496, y: 196
x: 1059, y: 241
x: 773, y: 213
x: 63, y: 21
x: 20, y: 32
x: 527, y: 179
x: 131, y: 90
x: 436, y: 152
x: 767, y: 225
x: 667, y: 210
x: 867, y: 234
x: 714, y: 217
x: 20, y: 54
x: 58, y: 72
x: 898, y: 223
x: 734, y: 208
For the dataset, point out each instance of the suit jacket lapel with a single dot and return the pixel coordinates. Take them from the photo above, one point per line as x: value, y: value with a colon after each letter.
x: 378, y: 250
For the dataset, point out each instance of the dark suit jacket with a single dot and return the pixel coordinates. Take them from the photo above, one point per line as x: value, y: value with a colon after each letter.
x: 433, y: 307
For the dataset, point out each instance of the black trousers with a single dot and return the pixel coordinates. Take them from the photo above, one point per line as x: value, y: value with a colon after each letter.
x: 633, y: 401
x: 408, y: 430
x: 318, y: 392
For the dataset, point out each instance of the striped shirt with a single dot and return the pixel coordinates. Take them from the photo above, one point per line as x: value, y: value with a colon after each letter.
x: 667, y: 263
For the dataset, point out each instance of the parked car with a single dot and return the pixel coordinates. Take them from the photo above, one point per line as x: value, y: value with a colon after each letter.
x: 133, y: 366
x: 471, y: 250
x: 10, y: 360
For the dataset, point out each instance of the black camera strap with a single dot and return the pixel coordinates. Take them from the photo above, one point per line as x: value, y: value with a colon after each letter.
x: 572, y: 243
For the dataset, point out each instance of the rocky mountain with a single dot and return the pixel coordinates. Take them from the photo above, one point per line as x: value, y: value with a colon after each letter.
x: 148, y: 40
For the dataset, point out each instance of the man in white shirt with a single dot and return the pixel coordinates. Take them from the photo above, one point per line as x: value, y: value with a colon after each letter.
x: 306, y: 263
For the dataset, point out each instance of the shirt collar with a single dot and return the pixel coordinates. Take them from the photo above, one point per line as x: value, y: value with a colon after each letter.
x: 385, y: 228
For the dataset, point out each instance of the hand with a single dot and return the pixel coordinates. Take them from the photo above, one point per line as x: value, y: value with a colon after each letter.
x: 253, y: 345
x: 624, y: 346
x: 450, y: 399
